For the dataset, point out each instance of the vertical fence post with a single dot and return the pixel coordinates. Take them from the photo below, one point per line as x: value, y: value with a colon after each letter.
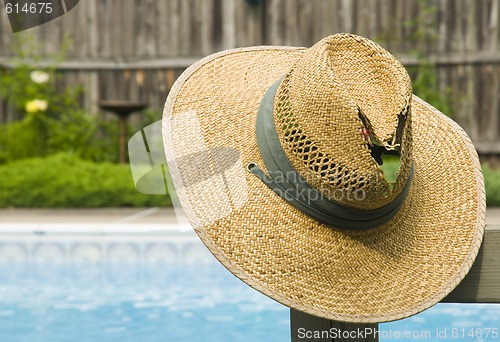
x: 305, y: 327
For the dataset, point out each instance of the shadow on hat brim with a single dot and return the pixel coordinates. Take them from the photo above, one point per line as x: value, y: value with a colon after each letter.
x: 383, y: 274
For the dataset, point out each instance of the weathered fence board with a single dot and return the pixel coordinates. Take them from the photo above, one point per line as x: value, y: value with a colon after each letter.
x: 112, y: 36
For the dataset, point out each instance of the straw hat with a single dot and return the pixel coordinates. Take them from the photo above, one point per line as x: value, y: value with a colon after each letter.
x: 275, y: 153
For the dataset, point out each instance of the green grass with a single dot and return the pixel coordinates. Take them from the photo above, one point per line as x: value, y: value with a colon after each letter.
x: 65, y: 181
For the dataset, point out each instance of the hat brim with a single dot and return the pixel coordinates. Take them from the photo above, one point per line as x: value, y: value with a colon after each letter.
x: 390, y: 272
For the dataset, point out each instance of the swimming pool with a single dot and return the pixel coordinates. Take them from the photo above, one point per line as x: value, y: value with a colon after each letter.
x: 156, y: 283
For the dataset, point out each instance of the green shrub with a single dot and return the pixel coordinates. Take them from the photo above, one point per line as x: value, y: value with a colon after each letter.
x: 50, y: 120
x: 390, y: 167
x: 492, y: 184
x: 65, y: 181
x: 491, y: 180
x: 47, y: 115
x: 425, y: 84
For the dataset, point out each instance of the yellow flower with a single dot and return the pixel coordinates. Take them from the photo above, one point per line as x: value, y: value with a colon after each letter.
x: 36, y: 105
x: 39, y: 77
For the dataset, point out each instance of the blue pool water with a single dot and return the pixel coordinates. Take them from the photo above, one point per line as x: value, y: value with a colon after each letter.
x: 110, y: 300
x: 113, y: 302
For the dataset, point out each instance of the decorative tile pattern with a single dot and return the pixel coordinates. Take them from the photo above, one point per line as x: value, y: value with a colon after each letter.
x: 141, y: 246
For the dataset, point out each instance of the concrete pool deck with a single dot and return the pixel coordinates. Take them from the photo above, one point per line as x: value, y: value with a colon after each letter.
x: 122, y: 215
x: 101, y: 215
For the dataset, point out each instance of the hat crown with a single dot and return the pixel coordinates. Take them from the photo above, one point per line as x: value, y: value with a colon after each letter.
x: 343, y: 97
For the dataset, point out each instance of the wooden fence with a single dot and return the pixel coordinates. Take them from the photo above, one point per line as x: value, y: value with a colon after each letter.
x: 135, y: 49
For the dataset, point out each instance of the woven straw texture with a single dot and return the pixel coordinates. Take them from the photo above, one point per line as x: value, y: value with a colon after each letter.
x: 324, y: 104
x: 382, y: 274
